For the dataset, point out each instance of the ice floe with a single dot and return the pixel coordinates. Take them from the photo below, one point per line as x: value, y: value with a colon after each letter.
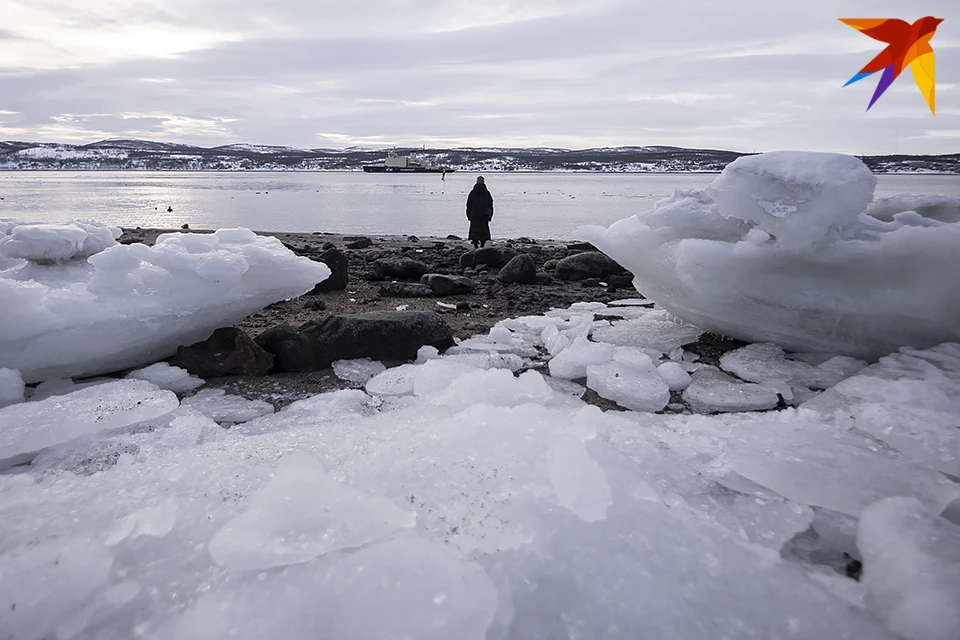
x: 779, y: 249
x: 82, y: 305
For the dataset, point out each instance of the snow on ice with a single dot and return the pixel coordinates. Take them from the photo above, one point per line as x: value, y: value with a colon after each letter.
x: 81, y: 304
x: 782, y: 248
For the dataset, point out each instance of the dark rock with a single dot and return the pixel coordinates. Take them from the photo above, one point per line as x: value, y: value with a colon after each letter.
x: 590, y: 282
x: 550, y: 265
x: 590, y: 264
x: 491, y: 256
x: 337, y: 261
x: 578, y: 247
x: 402, y: 268
x: 314, y: 303
x: 183, y: 226
x: 453, y: 237
x: 379, y: 335
x: 405, y: 290
x: 621, y: 280
x: 526, y: 240
x: 354, y: 242
x: 329, y: 245
x: 521, y: 269
x: 228, y: 352
x: 463, y: 305
x: 444, y: 285
x: 413, y: 239
x: 468, y: 259
x: 544, y: 278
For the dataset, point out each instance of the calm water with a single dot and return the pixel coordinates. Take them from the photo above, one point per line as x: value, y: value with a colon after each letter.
x: 541, y: 205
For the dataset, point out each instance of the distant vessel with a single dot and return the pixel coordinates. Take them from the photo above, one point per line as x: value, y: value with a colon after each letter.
x: 409, y: 163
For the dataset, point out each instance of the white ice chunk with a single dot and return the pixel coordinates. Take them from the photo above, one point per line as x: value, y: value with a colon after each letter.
x: 32, y: 426
x: 396, y: 381
x: 131, y: 305
x: 832, y: 279
x: 635, y: 385
x: 653, y: 330
x: 359, y: 370
x: 713, y: 392
x: 220, y: 406
x: 910, y: 400
x: 911, y: 568
x: 766, y: 363
x: 674, y: 375
x: 418, y: 589
x: 302, y: 513
x: 496, y: 387
x: 572, y: 362
x: 795, y: 197
x: 49, y: 243
x: 935, y: 208
x: 11, y: 387
x: 167, y: 377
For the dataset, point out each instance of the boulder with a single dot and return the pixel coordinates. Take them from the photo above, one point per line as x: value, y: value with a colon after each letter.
x: 354, y: 242
x: 400, y: 268
x: 405, y: 290
x: 521, y: 269
x: 228, y: 352
x: 490, y: 256
x: 621, y: 280
x: 550, y: 265
x: 444, y: 285
x: 378, y: 335
x: 337, y: 261
x: 589, y: 264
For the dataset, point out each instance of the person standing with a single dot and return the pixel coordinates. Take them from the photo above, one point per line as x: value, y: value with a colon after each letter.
x: 479, y: 213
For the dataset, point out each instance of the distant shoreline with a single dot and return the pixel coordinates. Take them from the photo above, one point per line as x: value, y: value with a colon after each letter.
x: 491, y: 171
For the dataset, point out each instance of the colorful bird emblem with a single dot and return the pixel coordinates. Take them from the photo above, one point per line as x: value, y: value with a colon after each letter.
x: 907, y: 44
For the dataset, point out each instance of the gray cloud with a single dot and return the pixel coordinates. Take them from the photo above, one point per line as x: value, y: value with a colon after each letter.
x: 744, y: 75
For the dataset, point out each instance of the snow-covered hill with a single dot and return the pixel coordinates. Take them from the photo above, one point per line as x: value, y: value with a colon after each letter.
x: 122, y: 154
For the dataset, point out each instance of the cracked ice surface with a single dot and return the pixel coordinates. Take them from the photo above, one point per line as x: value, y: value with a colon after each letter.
x: 468, y: 499
x: 781, y: 248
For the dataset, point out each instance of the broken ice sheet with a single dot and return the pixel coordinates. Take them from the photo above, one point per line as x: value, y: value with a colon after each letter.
x: 418, y: 588
x: 302, y: 513
x: 31, y: 426
x: 220, y: 406
x: 655, y: 329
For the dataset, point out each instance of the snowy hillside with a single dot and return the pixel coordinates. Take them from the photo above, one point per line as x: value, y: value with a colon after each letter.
x: 148, y: 155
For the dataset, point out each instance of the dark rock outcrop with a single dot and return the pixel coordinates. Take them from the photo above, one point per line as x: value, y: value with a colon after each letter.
x: 444, y: 285
x: 379, y: 335
x: 337, y: 261
x: 405, y: 290
x: 521, y: 269
x: 228, y: 352
x: 354, y: 242
x: 401, y: 268
x: 589, y: 264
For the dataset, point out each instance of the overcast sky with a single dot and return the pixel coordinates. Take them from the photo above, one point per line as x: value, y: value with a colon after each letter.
x: 742, y: 75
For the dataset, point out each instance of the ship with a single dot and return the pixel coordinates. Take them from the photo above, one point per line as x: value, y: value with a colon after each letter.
x: 409, y: 163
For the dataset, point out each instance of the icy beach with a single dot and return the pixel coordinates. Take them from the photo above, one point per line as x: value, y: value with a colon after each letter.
x: 804, y: 485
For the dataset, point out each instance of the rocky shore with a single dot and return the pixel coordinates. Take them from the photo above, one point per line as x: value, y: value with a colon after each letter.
x: 470, y: 289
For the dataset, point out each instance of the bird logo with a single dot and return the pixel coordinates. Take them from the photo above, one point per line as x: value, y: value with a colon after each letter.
x: 907, y: 44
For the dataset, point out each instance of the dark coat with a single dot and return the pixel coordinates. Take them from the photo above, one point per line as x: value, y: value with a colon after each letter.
x: 479, y: 212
